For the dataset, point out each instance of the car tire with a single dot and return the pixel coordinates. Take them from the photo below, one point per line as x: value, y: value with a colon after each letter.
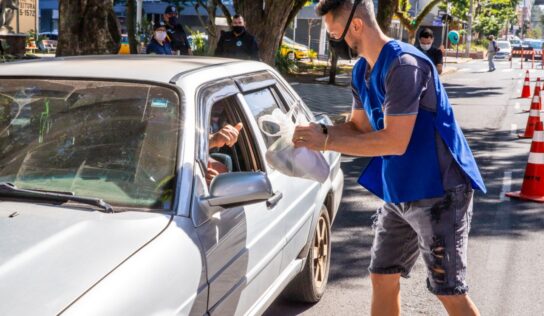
x: 309, y: 285
x: 291, y: 56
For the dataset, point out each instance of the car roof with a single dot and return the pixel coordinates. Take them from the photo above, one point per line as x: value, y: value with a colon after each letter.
x: 155, y: 68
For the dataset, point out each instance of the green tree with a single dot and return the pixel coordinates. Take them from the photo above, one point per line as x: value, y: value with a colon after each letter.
x: 412, y: 23
x: 493, y: 15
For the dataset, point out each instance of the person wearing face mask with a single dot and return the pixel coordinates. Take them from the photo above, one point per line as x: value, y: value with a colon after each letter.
x: 158, y: 44
x: 237, y: 43
x: 176, y: 35
x: 421, y: 166
x: 426, y: 45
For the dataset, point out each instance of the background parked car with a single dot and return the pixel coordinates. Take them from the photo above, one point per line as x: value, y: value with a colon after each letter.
x: 294, y: 50
x: 505, y: 51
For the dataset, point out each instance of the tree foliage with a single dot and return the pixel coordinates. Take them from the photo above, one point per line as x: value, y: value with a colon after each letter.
x: 492, y: 16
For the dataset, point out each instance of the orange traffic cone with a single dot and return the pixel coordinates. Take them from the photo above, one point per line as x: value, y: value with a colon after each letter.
x: 526, y: 92
x: 536, y: 92
x: 532, y: 188
x: 536, y: 103
x: 532, y: 121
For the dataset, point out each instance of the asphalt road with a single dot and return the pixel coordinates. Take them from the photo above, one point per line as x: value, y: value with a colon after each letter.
x: 506, y: 247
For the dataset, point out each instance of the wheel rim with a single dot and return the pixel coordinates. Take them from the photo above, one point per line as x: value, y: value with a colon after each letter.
x: 321, y: 252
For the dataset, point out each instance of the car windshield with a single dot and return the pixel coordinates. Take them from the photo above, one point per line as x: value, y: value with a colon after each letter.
x: 288, y: 41
x: 110, y: 140
x: 503, y: 45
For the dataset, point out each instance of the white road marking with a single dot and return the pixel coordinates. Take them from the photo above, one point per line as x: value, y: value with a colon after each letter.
x: 517, y: 106
x: 506, y: 184
x: 508, y: 70
x: 518, y: 91
x: 514, y: 129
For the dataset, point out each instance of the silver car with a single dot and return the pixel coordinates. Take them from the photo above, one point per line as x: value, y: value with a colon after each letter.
x: 113, y: 203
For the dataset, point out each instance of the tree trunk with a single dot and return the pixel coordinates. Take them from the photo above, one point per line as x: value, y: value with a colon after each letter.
x: 412, y: 36
x: 386, y: 10
x: 87, y: 27
x: 131, y: 26
x: 267, y: 21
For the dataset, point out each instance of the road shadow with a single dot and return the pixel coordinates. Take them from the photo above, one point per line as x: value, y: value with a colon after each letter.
x: 468, y: 91
x: 523, y: 217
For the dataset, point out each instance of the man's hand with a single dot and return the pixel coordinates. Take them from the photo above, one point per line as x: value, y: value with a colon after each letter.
x: 215, y: 168
x: 310, y: 136
x: 228, y: 135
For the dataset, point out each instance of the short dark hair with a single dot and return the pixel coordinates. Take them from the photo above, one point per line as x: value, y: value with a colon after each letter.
x: 426, y: 33
x: 333, y: 6
x: 342, y: 8
x: 237, y: 16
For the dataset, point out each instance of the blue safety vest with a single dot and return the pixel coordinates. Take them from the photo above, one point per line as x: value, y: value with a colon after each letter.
x: 416, y: 174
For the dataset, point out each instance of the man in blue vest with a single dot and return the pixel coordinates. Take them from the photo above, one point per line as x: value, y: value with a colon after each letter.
x: 422, y: 166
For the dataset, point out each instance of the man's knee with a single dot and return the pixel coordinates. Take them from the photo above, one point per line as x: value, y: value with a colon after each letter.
x: 453, y: 299
x: 385, y: 281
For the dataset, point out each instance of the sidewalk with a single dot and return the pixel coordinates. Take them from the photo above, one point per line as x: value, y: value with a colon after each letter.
x: 335, y: 100
x: 330, y: 99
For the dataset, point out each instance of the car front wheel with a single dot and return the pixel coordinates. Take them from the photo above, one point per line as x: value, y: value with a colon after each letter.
x: 309, y: 286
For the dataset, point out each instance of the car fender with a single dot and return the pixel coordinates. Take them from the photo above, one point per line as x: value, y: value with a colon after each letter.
x: 165, y: 277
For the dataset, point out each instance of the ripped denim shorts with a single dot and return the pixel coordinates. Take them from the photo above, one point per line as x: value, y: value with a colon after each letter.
x: 437, y: 228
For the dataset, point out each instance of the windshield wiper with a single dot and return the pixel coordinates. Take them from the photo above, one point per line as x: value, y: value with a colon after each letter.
x: 10, y: 190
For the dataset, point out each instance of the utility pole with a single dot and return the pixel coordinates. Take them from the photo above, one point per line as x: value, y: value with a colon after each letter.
x: 469, y: 29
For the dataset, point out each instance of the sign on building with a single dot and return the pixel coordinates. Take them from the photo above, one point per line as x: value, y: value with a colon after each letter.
x: 27, y: 16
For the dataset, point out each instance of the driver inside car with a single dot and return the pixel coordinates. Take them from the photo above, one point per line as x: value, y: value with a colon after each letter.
x: 226, y: 136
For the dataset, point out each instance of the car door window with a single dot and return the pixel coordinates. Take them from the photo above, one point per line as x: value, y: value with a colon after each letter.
x: 263, y: 102
x: 241, y: 156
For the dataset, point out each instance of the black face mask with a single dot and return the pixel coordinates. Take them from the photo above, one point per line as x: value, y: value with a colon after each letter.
x: 339, y: 46
x: 238, y: 29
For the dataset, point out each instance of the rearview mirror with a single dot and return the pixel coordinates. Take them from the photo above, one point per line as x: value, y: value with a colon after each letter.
x: 239, y: 187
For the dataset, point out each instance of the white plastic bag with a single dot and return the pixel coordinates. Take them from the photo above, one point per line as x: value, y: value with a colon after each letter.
x: 283, y: 156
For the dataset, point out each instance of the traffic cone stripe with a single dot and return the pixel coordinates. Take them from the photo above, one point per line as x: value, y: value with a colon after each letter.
x: 536, y: 99
x: 534, y: 113
x: 538, y: 136
x: 536, y: 158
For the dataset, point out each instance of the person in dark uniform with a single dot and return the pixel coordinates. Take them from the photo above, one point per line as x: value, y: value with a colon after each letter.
x: 177, y: 37
x: 426, y: 39
x: 158, y: 44
x: 237, y: 43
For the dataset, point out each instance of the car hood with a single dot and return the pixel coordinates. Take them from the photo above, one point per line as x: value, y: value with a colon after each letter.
x: 50, y: 255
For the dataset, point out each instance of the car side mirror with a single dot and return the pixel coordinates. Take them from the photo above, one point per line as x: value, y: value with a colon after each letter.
x: 234, y: 188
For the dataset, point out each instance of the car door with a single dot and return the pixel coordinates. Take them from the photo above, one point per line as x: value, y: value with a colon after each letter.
x: 263, y: 95
x: 242, y: 244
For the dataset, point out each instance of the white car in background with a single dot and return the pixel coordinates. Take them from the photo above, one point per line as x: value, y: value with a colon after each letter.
x: 106, y: 207
x: 505, y: 51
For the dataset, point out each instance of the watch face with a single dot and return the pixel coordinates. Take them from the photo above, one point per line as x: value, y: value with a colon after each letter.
x: 239, y: 43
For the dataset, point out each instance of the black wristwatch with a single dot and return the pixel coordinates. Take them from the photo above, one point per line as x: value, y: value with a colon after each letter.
x: 324, y: 128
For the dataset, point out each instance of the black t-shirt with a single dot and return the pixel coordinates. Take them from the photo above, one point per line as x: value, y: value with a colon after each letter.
x: 177, y: 36
x: 243, y: 46
x: 434, y: 54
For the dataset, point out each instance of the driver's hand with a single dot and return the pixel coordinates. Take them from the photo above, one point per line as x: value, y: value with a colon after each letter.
x: 228, y: 135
